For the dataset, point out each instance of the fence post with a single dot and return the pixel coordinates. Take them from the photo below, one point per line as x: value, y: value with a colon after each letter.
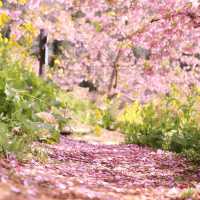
x: 6, y: 31
x: 43, y: 52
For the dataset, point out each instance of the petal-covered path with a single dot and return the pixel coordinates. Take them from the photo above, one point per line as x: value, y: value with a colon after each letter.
x: 78, y: 170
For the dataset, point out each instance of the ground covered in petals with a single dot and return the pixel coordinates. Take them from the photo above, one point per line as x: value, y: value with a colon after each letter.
x: 79, y: 170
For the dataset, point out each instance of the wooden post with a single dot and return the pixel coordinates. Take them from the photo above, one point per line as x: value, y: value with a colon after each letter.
x: 43, y: 52
x: 6, y: 31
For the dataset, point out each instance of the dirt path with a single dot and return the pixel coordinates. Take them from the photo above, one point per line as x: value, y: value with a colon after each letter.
x: 78, y: 170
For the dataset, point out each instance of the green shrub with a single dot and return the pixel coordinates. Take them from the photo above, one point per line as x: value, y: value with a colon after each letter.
x: 80, y: 111
x: 22, y: 96
x: 170, y: 122
x: 189, y: 193
x: 106, y: 114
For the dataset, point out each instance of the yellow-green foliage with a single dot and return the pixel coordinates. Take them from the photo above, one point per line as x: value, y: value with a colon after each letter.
x: 189, y: 193
x: 4, y: 18
x: 81, y: 111
x: 29, y: 33
x: 109, y: 113
x: 21, y: 2
x: 132, y: 114
x: 22, y: 96
x: 170, y: 122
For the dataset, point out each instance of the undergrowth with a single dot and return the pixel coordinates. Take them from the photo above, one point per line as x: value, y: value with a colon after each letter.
x: 22, y: 96
x: 169, y: 122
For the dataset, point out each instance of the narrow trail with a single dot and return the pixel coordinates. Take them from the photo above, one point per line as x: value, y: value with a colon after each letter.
x: 79, y: 170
